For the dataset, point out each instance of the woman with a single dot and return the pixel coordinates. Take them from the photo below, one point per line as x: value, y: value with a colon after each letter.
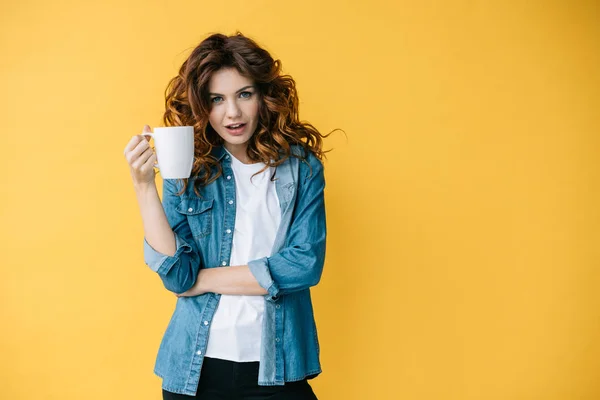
x: 243, y: 239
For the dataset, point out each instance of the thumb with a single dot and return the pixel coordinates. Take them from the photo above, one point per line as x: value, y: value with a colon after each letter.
x: 146, y: 129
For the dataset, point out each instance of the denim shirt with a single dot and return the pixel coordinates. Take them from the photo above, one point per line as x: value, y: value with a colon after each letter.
x: 203, y: 229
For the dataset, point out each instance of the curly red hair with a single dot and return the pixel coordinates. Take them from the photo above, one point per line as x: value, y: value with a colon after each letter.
x: 187, y: 103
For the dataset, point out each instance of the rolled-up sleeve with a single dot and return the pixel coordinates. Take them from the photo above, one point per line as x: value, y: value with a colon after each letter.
x: 179, y: 271
x: 262, y: 274
x: 299, y: 265
x: 162, y: 263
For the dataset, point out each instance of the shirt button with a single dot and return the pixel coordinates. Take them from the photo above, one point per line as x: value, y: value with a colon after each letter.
x: 199, y: 352
x: 228, y: 176
x: 230, y: 202
x: 223, y: 263
x: 205, y: 322
x: 277, y: 340
x: 190, y: 209
x: 228, y: 231
x: 227, y: 157
x: 277, y: 306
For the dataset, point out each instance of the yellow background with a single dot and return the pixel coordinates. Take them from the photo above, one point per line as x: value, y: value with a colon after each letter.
x: 463, y: 216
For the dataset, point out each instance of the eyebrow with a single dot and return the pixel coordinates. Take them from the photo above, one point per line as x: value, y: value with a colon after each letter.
x: 239, y: 90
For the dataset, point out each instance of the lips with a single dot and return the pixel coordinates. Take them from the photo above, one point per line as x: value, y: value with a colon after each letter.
x: 235, y: 129
x: 234, y: 126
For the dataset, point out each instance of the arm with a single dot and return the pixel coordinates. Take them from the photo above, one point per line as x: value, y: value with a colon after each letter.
x: 157, y: 231
x: 299, y: 264
x: 296, y: 267
x: 169, y: 247
x: 235, y: 280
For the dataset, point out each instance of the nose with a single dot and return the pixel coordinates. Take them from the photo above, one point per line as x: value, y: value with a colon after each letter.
x: 233, y: 109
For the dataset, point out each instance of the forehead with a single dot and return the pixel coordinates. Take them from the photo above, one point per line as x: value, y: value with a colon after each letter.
x: 227, y: 81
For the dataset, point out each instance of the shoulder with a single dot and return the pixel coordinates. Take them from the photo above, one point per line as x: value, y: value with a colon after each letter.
x: 309, y: 164
x: 171, y: 186
x: 175, y: 187
x: 306, y: 155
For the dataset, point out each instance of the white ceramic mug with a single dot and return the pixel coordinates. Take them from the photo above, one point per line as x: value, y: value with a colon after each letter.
x: 174, y: 147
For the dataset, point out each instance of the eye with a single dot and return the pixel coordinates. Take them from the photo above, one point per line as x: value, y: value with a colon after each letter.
x: 246, y: 97
x: 214, y: 98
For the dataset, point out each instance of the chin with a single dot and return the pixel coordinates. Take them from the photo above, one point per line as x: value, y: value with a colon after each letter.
x: 236, y: 139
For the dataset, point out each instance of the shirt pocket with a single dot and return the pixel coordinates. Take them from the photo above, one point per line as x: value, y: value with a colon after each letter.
x: 199, y: 215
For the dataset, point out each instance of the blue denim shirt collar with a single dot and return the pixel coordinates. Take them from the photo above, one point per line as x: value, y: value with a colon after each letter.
x: 218, y: 152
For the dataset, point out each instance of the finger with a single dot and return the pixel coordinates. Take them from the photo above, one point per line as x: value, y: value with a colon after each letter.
x: 146, y: 155
x: 142, y: 146
x: 150, y: 162
x: 136, y: 146
x: 146, y: 129
x: 143, y: 163
x: 132, y: 143
x: 141, y: 160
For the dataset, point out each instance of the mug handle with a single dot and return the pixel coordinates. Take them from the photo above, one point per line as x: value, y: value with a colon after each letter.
x: 152, y: 136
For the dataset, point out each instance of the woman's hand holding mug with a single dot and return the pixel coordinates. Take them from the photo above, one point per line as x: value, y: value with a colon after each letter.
x: 141, y: 159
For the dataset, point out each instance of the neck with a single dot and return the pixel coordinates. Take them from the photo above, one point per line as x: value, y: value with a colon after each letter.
x: 239, y: 152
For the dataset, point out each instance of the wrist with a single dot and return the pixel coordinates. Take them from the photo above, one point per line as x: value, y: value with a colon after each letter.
x: 145, y: 188
x: 203, y: 281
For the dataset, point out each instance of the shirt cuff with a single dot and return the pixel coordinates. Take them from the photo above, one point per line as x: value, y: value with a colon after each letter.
x: 260, y: 270
x: 162, y: 263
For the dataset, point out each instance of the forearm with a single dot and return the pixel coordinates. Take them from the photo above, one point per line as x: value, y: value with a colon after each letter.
x: 234, y: 280
x: 157, y: 231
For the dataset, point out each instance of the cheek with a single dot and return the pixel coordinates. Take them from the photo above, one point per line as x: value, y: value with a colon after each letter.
x: 213, y: 118
x: 252, y: 110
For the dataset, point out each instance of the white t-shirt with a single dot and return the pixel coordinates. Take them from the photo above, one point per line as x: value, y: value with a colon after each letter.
x: 235, y: 332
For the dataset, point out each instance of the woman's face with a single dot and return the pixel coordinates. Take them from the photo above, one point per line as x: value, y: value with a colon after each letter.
x: 234, y: 100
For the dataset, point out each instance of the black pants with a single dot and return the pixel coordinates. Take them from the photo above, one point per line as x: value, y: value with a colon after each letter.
x: 229, y: 380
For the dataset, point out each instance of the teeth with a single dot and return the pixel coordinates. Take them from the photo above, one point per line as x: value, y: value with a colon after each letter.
x: 235, y: 126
